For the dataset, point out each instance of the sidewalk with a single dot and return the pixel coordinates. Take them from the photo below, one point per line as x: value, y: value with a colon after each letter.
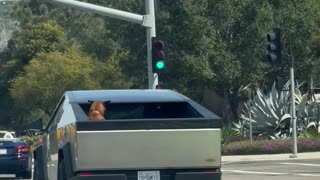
x: 309, y: 155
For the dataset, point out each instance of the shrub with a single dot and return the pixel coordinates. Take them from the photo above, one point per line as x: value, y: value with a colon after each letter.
x: 241, y: 138
x: 308, y: 145
x: 228, y: 133
x: 31, y: 140
x: 269, y: 146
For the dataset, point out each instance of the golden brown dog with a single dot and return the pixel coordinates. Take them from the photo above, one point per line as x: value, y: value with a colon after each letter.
x: 97, y: 111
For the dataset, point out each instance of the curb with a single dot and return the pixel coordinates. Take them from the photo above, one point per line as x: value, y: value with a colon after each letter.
x: 269, y: 157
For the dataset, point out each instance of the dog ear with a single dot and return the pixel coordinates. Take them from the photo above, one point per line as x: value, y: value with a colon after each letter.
x: 106, y: 102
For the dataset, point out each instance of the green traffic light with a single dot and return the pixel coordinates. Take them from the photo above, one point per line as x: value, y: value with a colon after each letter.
x: 160, y: 64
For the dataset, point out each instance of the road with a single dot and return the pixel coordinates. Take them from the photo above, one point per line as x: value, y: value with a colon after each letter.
x: 272, y: 170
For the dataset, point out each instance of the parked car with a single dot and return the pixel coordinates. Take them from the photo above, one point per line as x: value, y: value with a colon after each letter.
x: 15, y: 156
x: 146, y: 134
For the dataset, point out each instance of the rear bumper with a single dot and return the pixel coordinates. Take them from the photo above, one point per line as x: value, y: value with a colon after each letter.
x: 198, y: 176
x: 176, y: 176
x: 13, y: 165
x: 101, y: 177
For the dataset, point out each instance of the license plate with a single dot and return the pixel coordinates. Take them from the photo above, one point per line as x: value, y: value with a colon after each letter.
x: 3, y: 151
x: 148, y: 175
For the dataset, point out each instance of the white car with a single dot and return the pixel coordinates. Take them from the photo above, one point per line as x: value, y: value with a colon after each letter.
x: 7, y: 134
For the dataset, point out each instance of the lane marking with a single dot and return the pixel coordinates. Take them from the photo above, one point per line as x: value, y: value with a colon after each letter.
x: 255, y: 172
x: 315, y: 175
x: 300, y: 164
x: 271, y: 173
x: 227, y: 162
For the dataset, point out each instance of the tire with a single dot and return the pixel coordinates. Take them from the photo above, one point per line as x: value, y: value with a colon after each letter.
x: 35, y: 171
x: 40, y: 169
x: 24, y: 175
x: 61, y: 170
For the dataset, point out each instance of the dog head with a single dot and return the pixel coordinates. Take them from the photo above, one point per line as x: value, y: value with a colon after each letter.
x: 97, y: 111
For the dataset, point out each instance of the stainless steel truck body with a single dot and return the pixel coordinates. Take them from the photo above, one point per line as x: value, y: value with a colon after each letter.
x: 147, y: 134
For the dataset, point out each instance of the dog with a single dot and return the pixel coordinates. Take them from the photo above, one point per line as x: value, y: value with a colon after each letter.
x: 97, y: 111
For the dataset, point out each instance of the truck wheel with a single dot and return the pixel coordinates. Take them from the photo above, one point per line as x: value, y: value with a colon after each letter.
x: 61, y: 170
x: 35, y: 170
x: 24, y: 175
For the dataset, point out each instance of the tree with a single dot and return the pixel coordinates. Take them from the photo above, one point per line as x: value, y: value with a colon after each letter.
x: 48, y: 76
x: 213, y: 44
x: 24, y: 45
x: 7, y: 25
x: 41, y: 38
x: 109, y: 73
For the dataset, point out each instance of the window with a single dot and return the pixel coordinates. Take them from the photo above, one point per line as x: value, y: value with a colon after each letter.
x: 55, y: 117
x: 8, y: 136
x: 2, y: 135
x: 162, y: 110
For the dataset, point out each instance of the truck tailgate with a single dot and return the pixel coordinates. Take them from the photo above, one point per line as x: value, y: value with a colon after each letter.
x: 148, y: 149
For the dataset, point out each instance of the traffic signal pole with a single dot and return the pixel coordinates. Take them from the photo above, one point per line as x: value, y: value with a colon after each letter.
x: 274, y: 57
x: 147, y: 21
x: 293, y: 106
x: 151, y: 32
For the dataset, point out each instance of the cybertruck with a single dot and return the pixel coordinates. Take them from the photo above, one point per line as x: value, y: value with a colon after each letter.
x: 147, y: 135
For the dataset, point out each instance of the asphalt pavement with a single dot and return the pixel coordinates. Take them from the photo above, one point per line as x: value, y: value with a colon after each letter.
x: 268, y: 157
x: 306, y: 166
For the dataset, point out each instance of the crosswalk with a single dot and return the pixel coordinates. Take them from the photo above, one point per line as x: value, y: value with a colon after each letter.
x: 274, y: 168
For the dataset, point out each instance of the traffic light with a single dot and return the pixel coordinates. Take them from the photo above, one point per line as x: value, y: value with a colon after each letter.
x: 158, y: 63
x: 274, y: 55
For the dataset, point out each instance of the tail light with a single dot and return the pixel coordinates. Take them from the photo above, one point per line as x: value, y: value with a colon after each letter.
x: 85, y: 174
x: 211, y: 171
x: 22, y: 149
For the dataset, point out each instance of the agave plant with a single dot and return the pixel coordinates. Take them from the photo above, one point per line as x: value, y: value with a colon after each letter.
x: 241, y: 128
x: 308, y: 114
x: 270, y: 113
x: 310, y: 133
x: 228, y: 133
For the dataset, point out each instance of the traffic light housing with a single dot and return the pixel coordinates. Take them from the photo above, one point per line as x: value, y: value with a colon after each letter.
x: 158, y: 62
x: 274, y: 49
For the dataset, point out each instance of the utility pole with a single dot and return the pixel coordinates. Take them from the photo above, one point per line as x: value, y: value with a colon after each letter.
x: 293, y: 107
x: 275, y: 58
x: 151, y: 32
x: 250, y: 124
x: 147, y: 21
x: 250, y: 105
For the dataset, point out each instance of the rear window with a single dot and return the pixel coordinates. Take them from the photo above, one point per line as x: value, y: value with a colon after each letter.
x: 2, y: 135
x: 7, y: 135
x: 166, y: 110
